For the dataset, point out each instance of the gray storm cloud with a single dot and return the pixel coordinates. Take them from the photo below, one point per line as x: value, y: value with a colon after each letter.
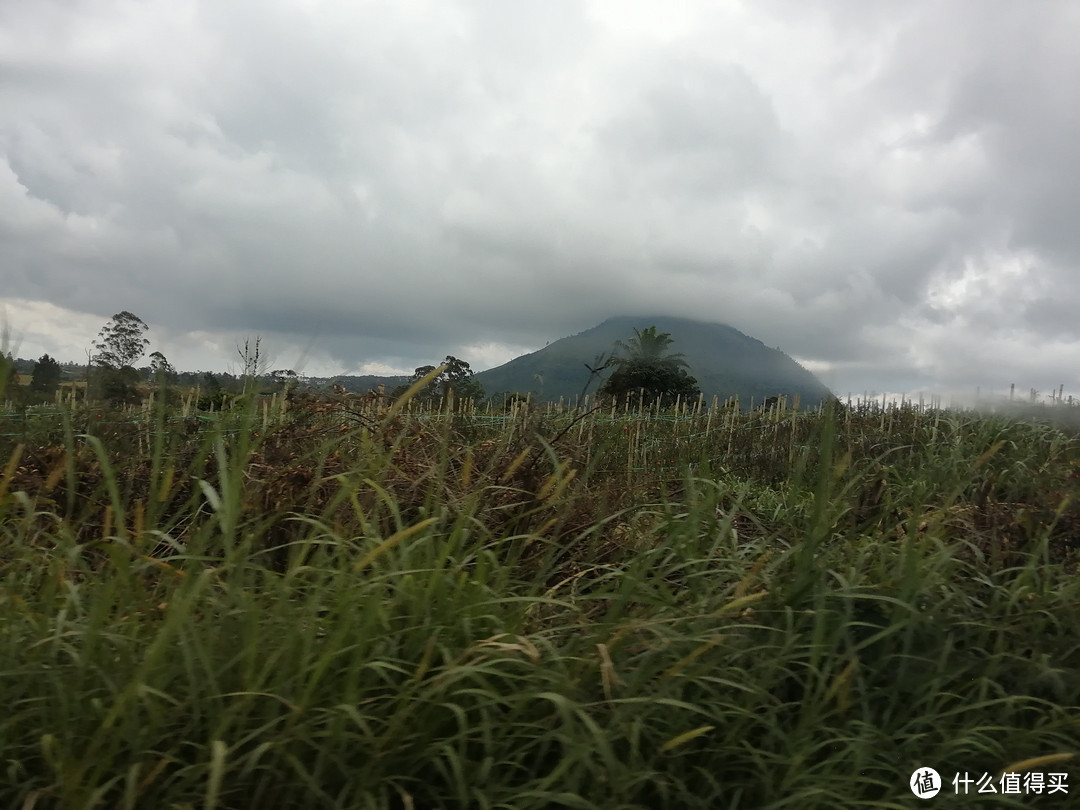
x: 880, y: 189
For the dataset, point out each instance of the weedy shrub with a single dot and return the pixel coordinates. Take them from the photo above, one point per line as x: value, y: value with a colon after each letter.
x: 334, y: 605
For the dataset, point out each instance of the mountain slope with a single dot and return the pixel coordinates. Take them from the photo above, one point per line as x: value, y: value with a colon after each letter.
x: 725, y: 362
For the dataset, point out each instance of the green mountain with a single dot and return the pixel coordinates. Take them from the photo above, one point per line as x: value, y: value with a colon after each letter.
x: 725, y: 362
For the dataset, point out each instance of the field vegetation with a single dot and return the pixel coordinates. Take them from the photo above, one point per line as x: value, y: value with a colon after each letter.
x: 318, y: 602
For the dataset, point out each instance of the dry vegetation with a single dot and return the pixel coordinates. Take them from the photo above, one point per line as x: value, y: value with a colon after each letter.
x: 347, y: 605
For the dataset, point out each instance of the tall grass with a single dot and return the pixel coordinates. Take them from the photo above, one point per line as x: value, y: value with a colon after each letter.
x: 335, y: 606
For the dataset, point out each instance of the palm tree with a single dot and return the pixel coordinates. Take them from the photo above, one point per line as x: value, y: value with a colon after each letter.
x: 649, y: 369
x: 649, y: 346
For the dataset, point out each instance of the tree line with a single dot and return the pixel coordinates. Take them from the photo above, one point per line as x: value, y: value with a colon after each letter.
x: 642, y: 368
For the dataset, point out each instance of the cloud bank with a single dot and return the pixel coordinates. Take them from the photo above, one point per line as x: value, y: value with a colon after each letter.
x: 882, y: 190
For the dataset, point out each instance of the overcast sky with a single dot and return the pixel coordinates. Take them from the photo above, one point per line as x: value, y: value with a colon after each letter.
x: 886, y: 191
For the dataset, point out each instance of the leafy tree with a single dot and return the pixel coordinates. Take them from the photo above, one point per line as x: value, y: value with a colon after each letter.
x: 122, y: 341
x: 9, y: 377
x: 162, y: 374
x: 210, y: 382
x: 649, y: 370
x: 419, y: 373
x: 284, y: 376
x: 215, y: 401
x: 46, y: 376
x: 161, y: 368
x: 119, y: 386
x: 456, y: 377
x: 285, y: 380
x: 652, y: 381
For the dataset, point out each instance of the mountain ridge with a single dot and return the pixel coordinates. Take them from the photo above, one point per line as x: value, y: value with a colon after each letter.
x: 725, y: 361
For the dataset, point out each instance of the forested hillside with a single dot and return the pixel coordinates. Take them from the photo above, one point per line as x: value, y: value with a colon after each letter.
x: 725, y: 362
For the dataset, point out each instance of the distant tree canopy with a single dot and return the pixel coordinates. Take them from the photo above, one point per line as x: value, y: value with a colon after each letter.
x: 650, y: 381
x: 119, y: 385
x: 648, y: 372
x: 161, y: 368
x: 456, y: 377
x: 46, y: 376
x: 8, y: 371
x: 122, y: 341
x: 284, y: 380
x: 120, y: 344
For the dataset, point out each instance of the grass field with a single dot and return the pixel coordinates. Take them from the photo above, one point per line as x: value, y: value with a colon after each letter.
x: 344, y: 607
